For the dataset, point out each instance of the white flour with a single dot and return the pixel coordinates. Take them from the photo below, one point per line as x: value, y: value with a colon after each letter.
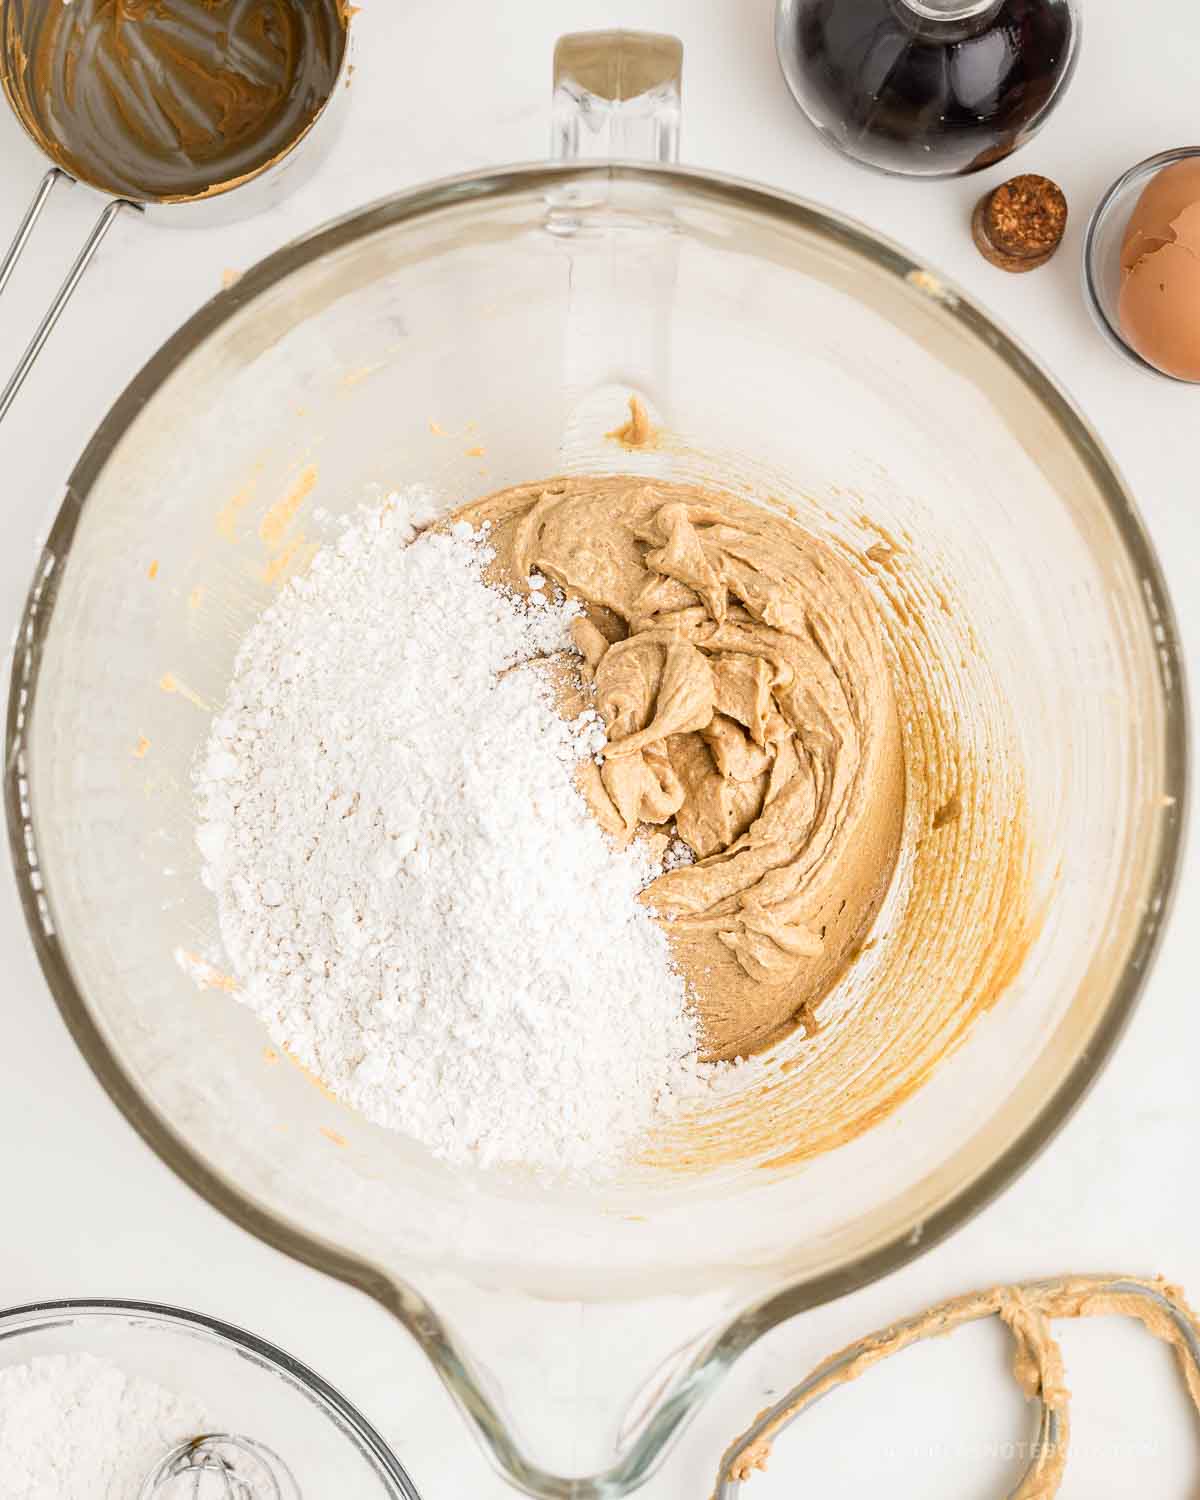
x: 74, y: 1427
x: 410, y: 888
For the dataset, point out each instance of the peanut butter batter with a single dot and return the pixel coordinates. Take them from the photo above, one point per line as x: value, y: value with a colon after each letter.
x: 739, y: 666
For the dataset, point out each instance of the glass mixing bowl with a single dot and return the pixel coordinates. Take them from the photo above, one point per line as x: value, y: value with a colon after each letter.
x: 247, y: 1387
x: 474, y: 334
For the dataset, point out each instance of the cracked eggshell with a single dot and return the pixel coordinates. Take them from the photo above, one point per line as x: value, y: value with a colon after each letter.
x: 1159, y: 306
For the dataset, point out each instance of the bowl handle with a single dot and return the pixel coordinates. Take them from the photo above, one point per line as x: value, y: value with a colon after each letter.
x: 616, y: 101
x: 617, y: 97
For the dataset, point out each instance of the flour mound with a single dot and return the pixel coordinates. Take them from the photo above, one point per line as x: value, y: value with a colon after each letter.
x: 76, y: 1427
x: 411, y: 891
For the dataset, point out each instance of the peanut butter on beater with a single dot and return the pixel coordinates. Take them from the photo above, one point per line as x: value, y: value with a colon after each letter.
x: 1027, y: 1310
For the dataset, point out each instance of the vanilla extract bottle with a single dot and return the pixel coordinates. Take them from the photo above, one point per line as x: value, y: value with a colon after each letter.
x: 927, y: 88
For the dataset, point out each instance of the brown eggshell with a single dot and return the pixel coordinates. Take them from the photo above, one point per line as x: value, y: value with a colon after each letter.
x: 1159, y: 305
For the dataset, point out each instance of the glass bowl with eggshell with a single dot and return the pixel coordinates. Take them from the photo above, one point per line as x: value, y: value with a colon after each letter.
x: 483, y: 332
x: 1141, y: 265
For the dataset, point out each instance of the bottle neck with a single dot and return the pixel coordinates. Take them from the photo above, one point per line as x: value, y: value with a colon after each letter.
x: 950, y: 12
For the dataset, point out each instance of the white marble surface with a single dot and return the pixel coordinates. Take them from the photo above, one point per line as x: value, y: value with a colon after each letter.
x: 445, y: 86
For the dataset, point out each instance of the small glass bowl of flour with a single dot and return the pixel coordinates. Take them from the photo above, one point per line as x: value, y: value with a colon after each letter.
x: 95, y: 1395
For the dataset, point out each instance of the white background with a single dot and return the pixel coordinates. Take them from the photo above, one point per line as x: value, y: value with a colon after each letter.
x: 445, y: 86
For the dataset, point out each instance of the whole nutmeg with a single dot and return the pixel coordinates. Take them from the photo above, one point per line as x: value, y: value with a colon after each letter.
x: 1020, y: 224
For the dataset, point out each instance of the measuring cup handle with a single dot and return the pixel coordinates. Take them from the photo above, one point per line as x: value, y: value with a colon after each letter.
x: 55, y: 311
x: 47, y: 185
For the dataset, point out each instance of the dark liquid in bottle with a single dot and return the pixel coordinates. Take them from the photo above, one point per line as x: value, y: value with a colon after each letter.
x: 926, y: 97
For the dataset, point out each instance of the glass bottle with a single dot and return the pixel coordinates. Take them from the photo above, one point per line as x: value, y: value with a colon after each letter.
x: 927, y: 88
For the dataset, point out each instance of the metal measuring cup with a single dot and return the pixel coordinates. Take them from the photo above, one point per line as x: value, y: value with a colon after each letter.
x: 189, y: 112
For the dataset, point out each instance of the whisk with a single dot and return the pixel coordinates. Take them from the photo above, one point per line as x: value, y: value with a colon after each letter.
x: 221, y: 1466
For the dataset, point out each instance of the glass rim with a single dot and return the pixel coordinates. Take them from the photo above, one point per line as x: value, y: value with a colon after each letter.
x: 28, y: 1317
x: 400, y: 1297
